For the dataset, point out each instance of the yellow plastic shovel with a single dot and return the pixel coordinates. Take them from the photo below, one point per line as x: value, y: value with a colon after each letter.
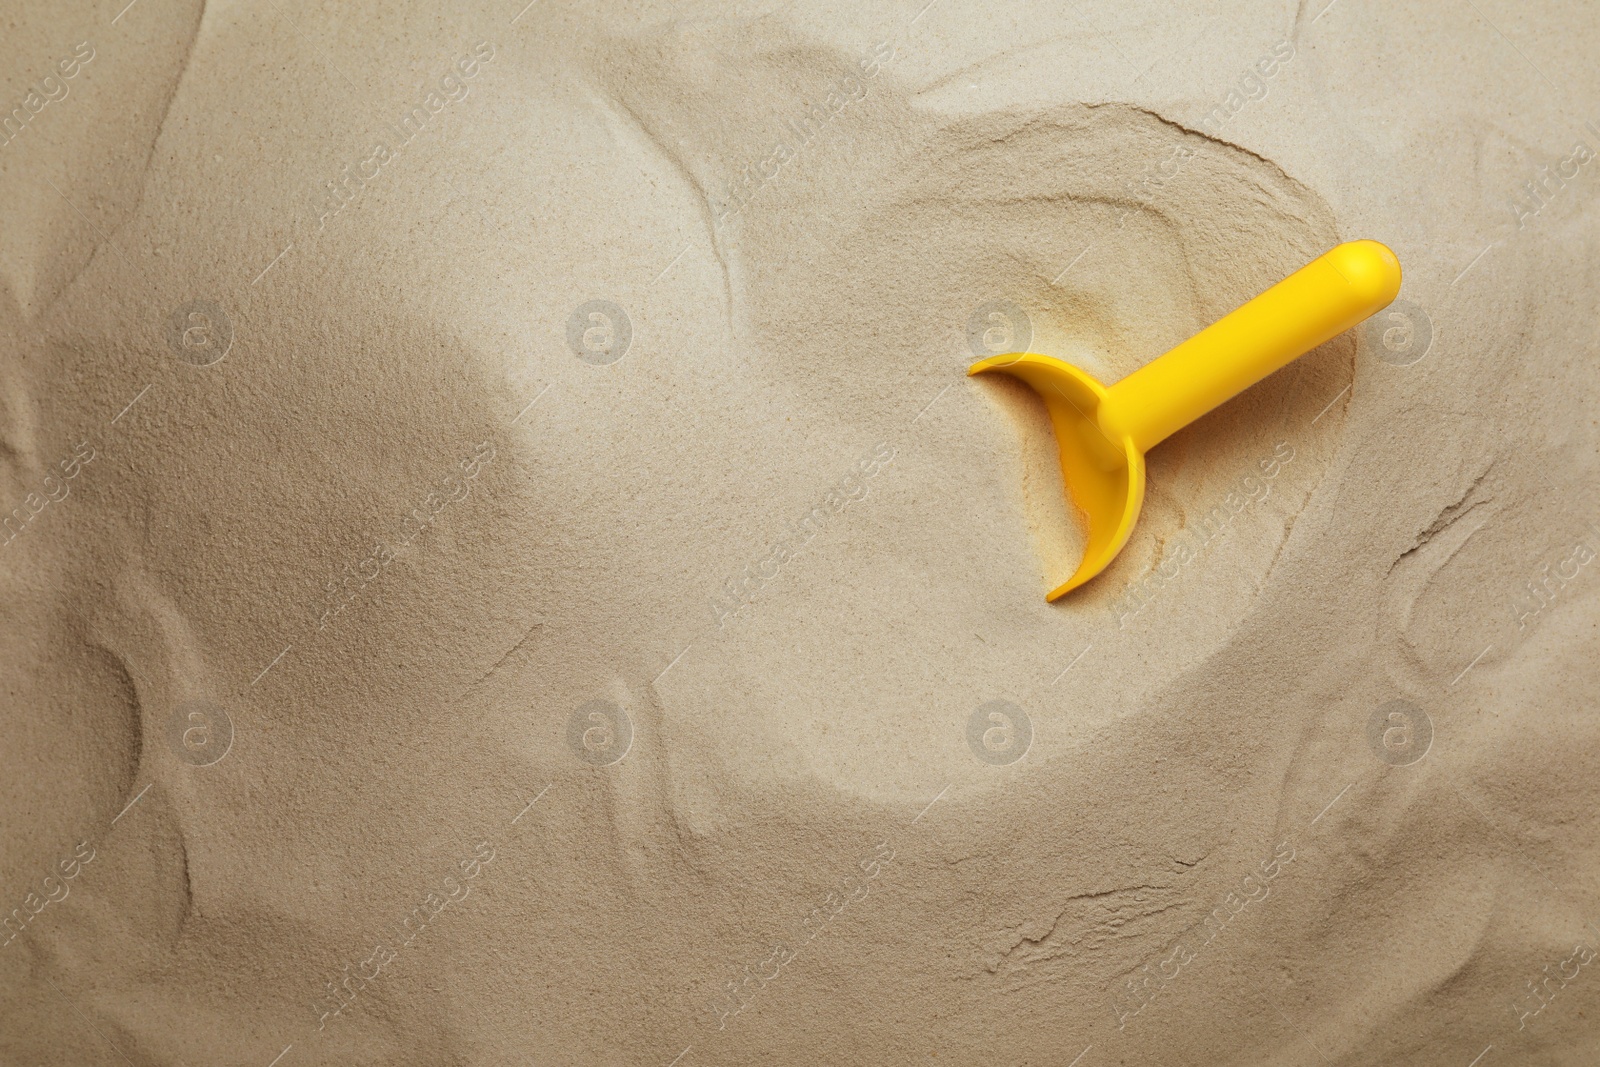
x: 1103, y: 432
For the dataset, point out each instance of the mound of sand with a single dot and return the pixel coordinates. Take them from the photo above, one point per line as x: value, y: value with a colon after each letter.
x: 504, y: 562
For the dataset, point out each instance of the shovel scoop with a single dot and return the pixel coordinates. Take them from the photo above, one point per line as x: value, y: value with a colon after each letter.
x: 1104, y: 431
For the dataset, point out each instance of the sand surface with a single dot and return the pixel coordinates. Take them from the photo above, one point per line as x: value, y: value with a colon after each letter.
x: 502, y: 562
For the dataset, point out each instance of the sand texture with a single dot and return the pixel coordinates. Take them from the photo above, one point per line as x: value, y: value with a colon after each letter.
x: 502, y: 563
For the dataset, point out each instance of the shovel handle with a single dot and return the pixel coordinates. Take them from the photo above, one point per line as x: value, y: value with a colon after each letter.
x: 1319, y: 301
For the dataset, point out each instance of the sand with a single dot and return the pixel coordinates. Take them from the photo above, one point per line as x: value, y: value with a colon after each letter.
x: 504, y: 564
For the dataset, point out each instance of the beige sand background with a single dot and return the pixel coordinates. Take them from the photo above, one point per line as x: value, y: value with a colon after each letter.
x: 333, y: 514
